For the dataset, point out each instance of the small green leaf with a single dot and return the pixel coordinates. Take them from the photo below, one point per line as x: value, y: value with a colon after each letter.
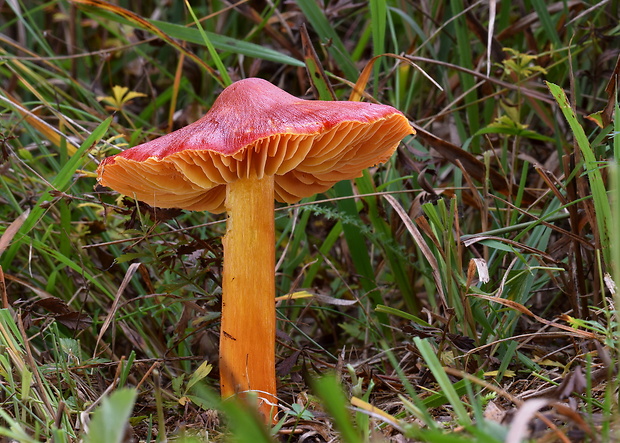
x: 109, y: 419
x: 203, y: 370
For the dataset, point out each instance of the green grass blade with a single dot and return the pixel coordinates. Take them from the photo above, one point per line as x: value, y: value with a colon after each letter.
x: 378, y: 20
x: 463, y: 42
x: 541, y: 8
x: 442, y: 379
x: 407, y: 316
x: 592, y: 169
x: 207, y: 41
x: 333, y: 400
x: 321, y: 25
x: 328, y: 243
x: 224, y: 43
x: 440, y: 399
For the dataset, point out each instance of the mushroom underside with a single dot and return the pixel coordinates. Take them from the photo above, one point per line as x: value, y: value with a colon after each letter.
x: 303, y: 165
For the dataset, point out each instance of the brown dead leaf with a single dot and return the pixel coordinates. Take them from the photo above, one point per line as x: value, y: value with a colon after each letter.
x: 53, y: 304
x: 76, y: 321
x: 494, y: 413
x: 611, y: 90
x: 574, y: 382
x: 286, y: 366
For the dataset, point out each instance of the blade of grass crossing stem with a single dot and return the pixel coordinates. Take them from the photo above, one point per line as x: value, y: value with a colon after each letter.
x: 333, y: 400
x: 326, y: 32
x: 442, y: 379
x: 597, y: 185
x: 358, y: 249
x: 60, y: 183
x: 398, y: 263
x: 212, y: 52
x: 109, y: 419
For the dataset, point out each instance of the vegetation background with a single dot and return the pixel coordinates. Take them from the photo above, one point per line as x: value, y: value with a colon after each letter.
x: 463, y: 292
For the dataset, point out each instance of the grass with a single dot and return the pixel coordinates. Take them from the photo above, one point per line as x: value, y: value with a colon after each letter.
x: 464, y: 291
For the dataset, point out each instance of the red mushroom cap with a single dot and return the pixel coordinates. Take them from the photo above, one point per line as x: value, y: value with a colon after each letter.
x: 254, y: 129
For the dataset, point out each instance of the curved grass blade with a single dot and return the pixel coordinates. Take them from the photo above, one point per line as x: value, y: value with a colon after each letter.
x: 224, y: 43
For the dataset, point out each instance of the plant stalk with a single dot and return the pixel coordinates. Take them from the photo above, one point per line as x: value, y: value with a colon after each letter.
x: 248, y: 334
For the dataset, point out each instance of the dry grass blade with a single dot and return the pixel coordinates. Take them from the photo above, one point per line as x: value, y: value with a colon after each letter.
x: 522, y: 309
x: 13, y: 228
x: 49, y: 132
x: 360, y: 84
x: 375, y: 412
x: 419, y: 240
x: 32, y: 365
x: 112, y: 312
x: 318, y: 79
x: 519, y: 427
x: 480, y: 237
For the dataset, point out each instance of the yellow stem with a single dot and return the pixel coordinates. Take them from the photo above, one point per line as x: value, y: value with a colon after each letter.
x: 248, y: 334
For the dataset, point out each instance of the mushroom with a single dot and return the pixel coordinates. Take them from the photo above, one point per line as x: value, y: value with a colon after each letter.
x: 256, y: 143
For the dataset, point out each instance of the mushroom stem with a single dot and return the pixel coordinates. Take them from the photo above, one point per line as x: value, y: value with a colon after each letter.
x: 248, y: 332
